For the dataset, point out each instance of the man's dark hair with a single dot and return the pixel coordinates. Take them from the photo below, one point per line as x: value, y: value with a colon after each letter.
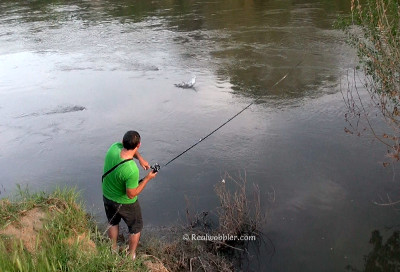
x: 131, y: 140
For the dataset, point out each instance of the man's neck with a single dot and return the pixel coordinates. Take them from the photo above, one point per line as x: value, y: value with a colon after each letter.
x: 127, y: 154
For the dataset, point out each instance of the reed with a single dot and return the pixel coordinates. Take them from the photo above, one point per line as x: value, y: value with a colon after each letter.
x: 196, y: 245
x: 373, y: 29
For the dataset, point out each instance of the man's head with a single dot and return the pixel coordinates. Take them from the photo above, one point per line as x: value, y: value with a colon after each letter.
x: 131, y: 140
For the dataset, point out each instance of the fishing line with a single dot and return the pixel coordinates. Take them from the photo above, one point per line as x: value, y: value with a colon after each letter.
x: 157, y: 167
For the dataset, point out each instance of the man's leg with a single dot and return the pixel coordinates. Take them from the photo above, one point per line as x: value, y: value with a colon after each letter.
x: 132, y: 215
x: 133, y: 243
x: 113, y: 217
x: 113, y: 232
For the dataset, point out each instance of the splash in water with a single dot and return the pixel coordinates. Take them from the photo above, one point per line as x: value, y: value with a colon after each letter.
x: 187, y: 85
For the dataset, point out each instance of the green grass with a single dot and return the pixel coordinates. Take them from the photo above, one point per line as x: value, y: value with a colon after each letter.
x: 65, y: 220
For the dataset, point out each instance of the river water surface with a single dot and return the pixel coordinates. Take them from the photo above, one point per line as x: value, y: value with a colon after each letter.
x: 75, y: 75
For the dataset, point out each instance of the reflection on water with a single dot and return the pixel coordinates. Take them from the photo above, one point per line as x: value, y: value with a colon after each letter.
x: 251, y: 43
x: 83, y: 72
x: 384, y: 257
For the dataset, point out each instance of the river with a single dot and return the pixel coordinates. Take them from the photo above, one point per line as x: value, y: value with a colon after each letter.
x: 75, y: 75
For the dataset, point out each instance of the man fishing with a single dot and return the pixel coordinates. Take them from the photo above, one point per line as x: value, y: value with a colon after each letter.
x: 121, y: 187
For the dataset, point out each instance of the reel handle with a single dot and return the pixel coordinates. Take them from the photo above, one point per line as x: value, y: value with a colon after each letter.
x: 156, y: 167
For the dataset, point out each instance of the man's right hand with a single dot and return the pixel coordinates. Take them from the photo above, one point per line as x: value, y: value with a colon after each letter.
x: 151, y: 175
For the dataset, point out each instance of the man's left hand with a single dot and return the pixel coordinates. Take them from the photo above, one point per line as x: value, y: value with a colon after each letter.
x: 144, y: 164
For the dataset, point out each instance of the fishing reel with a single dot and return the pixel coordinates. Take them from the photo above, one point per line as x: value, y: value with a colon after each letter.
x: 156, y: 167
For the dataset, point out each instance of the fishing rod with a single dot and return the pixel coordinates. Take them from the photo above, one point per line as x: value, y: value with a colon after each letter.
x: 156, y: 167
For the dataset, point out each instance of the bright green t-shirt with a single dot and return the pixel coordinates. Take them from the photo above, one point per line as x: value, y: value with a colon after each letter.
x: 124, y: 176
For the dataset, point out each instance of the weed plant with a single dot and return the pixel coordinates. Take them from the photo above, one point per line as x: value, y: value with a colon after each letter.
x: 373, y: 29
x: 239, y: 214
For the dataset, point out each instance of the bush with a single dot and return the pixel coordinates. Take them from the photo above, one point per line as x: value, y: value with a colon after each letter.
x: 374, y: 30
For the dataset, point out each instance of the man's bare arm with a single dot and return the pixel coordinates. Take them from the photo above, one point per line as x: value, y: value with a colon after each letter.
x: 131, y: 193
x: 142, y: 161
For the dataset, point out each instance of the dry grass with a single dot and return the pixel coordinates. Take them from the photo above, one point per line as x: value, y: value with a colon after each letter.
x: 177, y: 254
x: 26, y: 228
x: 374, y: 30
x: 239, y: 214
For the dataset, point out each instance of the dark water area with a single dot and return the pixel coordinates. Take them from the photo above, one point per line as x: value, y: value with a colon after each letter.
x: 74, y: 76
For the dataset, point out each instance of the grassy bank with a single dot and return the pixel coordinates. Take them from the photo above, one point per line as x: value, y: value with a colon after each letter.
x: 52, y: 232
